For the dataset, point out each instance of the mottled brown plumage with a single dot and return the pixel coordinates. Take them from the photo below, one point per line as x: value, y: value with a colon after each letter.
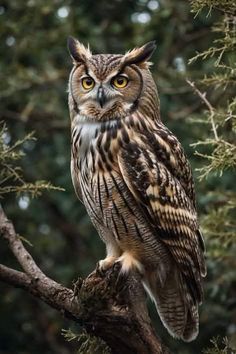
x: 133, y: 177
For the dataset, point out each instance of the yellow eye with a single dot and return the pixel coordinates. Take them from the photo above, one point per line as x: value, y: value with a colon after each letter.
x: 87, y: 83
x: 120, y: 81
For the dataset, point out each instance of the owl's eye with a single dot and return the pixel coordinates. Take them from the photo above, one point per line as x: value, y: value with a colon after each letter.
x: 88, y: 83
x: 120, y: 81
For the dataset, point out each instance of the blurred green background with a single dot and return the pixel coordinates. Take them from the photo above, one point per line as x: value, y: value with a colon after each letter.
x: 34, y: 70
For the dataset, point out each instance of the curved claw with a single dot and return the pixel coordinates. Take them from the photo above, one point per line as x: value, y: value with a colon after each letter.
x: 117, y: 266
x: 105, y: 264
x: 99, y: 270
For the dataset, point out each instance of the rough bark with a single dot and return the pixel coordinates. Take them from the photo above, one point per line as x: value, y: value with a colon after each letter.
x: 108, y: 305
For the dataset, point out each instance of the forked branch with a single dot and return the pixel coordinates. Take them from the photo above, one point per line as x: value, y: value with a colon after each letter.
x: 107, y: 305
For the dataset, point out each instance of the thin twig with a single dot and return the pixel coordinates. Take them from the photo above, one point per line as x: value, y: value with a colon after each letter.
x: 209, y: 106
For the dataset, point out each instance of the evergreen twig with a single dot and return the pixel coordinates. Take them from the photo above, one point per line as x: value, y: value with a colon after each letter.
x: 209, y: 106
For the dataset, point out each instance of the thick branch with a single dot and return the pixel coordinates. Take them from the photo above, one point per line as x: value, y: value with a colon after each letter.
x: 107, y: 305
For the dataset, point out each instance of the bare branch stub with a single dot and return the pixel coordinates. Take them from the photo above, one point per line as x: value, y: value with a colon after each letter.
x: 110, y: 306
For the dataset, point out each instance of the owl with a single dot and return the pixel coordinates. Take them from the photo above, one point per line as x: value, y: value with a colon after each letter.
x: 133, y: 177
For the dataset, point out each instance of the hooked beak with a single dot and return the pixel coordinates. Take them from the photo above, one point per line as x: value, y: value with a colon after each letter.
x: 101, y: 97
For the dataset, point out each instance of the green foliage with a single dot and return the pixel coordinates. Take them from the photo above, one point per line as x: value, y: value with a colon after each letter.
x: 222, y: 157
x: 11, y: 178
x: 226, y: 6
x: 220, y: 224
x: 223, y: 154
x: 218, y: 153
x: 87, y: 344
x: 222, y: 45
x: 219, y: 347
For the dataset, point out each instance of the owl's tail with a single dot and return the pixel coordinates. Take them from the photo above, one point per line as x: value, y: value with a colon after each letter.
x: 175, y: 305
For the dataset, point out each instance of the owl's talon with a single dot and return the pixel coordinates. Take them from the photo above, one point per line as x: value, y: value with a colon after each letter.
x: 99, y: 270
x: 105, y: 264
x: 117, y: 267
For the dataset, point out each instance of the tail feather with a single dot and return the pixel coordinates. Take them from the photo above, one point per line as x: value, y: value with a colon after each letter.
x: 191, y: 328
x: 174, y: 303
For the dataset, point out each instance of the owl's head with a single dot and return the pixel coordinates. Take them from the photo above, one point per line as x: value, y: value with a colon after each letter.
x: 108, y: 86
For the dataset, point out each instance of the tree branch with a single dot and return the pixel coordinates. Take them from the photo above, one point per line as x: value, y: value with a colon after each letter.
x: 14, y: 277
x: 16, y: 246
x: 109, y: 306
x: 209, y: 106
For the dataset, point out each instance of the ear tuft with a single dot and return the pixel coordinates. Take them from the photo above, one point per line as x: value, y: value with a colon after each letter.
x: 140, y: 55
x: 77, y: 50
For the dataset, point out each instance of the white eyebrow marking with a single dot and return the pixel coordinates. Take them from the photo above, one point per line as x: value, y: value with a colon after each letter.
x: 92, y: 75
x: 107, y: 79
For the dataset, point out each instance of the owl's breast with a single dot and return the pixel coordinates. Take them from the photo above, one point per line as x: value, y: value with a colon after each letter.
x: 94, y: 146
x: 84, y: 134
